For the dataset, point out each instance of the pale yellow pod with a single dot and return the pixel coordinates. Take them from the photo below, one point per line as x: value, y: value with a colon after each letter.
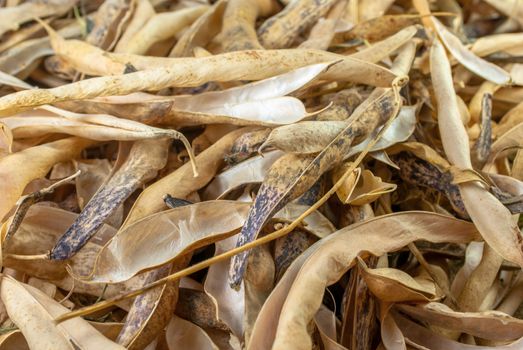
x: 160, y: 27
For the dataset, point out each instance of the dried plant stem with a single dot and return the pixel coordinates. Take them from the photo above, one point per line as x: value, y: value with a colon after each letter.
x: 44, y: 256
x: 64, y: 299
x: 260, y: 241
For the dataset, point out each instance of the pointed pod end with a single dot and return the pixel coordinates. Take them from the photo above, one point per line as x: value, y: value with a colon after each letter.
x: 263, y: 147
x: 59, y: 253
x: 311, y: 114
x: 235, y: 285
x: 195, y: 170
x: 188, y: 147
x: 50, y: 31
x: 237, y: 270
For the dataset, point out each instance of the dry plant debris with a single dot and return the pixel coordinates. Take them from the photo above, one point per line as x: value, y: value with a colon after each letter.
x: 261, y: 174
